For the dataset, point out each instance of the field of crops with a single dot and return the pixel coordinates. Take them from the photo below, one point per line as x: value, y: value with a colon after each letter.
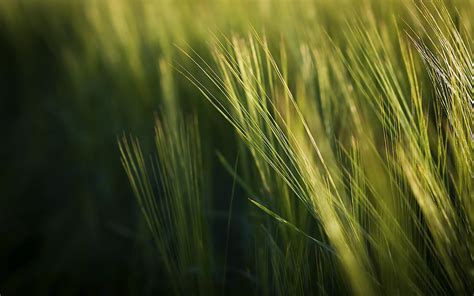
x: 237, y: 147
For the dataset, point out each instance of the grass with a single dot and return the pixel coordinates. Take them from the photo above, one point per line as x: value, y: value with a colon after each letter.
x: 177, y: 220
x: 357, y: 148
x: 306, y: 147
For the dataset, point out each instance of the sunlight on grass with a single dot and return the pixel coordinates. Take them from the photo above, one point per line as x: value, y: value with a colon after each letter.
x: 360, y: 148
x: 352, y: 122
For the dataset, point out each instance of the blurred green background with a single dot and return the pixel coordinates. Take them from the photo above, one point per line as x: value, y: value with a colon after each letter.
x: 74, y: 76
x: 68, y: 220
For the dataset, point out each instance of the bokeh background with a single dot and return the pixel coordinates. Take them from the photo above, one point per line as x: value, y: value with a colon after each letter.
x: 74, y: 76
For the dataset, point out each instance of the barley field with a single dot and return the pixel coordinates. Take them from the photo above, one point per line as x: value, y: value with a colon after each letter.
x: 237, y: 147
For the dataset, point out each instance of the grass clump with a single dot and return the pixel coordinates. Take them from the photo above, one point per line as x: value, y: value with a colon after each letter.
x: 333, y: 153
x: 177, y: 220
x: 355, y: 151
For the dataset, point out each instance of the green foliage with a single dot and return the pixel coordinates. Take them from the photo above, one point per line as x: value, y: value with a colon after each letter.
x: 349, y: 123
x: 364, y: 163
x: 357, y: 173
